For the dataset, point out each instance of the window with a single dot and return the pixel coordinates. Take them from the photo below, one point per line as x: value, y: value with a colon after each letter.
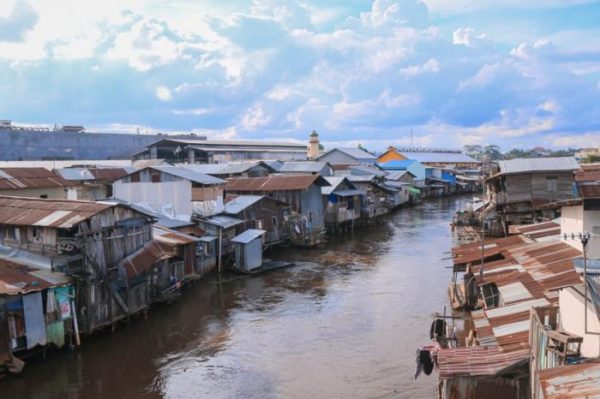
x: 551, y: 184
x: 135, y: 178
x: 155, y: 177
x: 44, y: 196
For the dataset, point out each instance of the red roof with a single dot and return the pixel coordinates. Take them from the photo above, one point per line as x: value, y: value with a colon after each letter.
x: 477, y: 361
x: 18, y: 178
x: 110, y: 174
x: 275, y: 183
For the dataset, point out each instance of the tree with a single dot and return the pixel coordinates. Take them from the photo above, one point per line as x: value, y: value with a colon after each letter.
x: 473, y: 150
x: 492, y: 152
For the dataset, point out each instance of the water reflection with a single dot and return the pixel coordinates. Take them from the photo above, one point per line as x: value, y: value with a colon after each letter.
x: 344, y: 322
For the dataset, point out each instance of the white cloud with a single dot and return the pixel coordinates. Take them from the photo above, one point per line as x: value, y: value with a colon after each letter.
x: 430, y: 66
x: 163, y: 93
x: 468, y: 37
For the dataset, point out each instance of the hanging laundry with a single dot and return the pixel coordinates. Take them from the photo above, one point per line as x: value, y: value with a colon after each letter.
x: 438, y: 329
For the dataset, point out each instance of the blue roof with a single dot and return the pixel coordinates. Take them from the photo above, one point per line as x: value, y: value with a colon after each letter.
x: 397, y: 164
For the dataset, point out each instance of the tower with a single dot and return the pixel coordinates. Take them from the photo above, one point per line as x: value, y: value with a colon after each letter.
x: 313, y: 146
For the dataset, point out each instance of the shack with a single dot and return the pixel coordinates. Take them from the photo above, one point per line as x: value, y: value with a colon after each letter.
x: 347, y: 156
x: 224, y: 228
x: 85, y: 240
x: 36, y: 311
x: 521, y: 189
x: 91, y: 183
x: 248, y: 250
x: 172, y: 191
x: 259, y: 212
x: 304, y: 223
x: 32, y: 182
x: 343, y: 203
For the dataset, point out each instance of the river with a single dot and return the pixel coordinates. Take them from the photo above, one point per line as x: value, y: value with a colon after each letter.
x: 345, y: 322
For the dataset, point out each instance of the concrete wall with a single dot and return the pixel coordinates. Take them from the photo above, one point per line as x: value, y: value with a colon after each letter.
x: 35, y: 145
x: 572, y: 320
x: 162, y: 197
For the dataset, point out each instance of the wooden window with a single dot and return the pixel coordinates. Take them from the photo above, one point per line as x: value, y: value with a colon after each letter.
x: 551, y: 184
x: 155, y: 177
x: 135, y: 178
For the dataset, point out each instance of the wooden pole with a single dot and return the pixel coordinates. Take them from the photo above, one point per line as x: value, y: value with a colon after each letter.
x: 220, y: 248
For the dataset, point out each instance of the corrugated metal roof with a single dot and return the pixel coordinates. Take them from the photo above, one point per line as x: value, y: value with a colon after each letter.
x: 533, y: 165
x: 189, y: 175
x: 248, y: 236
x: 230, y: 168
x: 397, y: 175
x: 356, y: 153
x: 19, y: 178
x: 576, y: 381
x: 367, y: 170
x: 476, y: 361
x: 144, y: 258
x: 17, y: 278
x: 397, y: 164
x: 237, y: 143
x: 360, y: 179
x: 439, y: 157
x: 223, y: 221
x: 334, y: 183
x: 75, y: 174
x: 593, y: 281
x: 275, y: 183
x: 47, y: 212
x: 302, y: 167
x: 172, y: 237
x: 347, y: 193
x: 589, y: 191
x: 587, y: 175
x: 241, y: 202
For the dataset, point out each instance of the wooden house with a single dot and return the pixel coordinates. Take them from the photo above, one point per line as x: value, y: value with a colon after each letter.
x: 377, y: 201
x: 85, y: 240
x: 36, y: 310
x: 224, y: 228
x: 520, y: 188
x: 343, y: 203
x: 34, y: 182
x: 91, y: 183
x: 304, y: 223
x: 172, y: 191
x: 259, y: 212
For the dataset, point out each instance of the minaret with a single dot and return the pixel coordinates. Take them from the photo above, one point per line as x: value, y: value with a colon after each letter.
x: 313, y: 146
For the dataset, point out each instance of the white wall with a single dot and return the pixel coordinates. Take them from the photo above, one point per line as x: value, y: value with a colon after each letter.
x: 575, y: 220
x: 572, y: 320
x: 176, y: 195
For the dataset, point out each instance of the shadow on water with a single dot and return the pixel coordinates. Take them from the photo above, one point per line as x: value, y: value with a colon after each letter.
x: 344, y: 322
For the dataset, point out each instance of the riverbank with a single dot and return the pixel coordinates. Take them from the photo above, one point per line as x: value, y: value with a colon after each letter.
x: 346, y: 321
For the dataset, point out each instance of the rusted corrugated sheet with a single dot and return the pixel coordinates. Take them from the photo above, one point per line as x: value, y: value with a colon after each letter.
x: 577, y: 381
x: 19, y: 178
x: 16, y: 278
x: 109, y: 174
x: 587, y: 175
x: 47, y: 212
x: 589, y: 191
x: 144, y: 258
x: 172, y: 237
x: 476, y: 361
x: 275, y: 183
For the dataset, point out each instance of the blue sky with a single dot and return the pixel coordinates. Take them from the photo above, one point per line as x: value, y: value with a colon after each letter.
x: 513, y: 73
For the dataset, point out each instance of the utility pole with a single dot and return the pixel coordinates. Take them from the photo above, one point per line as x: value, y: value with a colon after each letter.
x: 482, y: 233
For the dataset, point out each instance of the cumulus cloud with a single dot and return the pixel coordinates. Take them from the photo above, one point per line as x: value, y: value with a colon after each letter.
x: 279, y: 69
x: 15, y: 26
x: 163, y: 93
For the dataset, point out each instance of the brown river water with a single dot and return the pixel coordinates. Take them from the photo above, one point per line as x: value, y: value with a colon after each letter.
x: 345, y: 322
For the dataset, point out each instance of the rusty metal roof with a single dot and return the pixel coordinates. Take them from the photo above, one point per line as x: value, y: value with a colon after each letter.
x: 17, y: 278
x: 477, y: 361
x: 144, y: 258
x: 576, y: 381
x: 587, y: 175
x: 19, y: 178
x: 172, y: 237
x: 275, y: 183
x: 588, y: 191
x: 23, y: 211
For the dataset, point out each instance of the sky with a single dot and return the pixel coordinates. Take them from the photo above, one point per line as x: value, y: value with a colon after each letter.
x: 516, y: 73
